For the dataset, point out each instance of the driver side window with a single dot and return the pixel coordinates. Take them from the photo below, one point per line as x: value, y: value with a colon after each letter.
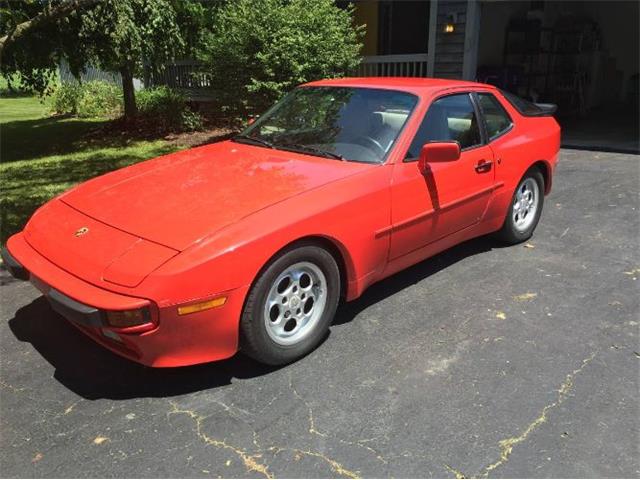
x: 449, y: 118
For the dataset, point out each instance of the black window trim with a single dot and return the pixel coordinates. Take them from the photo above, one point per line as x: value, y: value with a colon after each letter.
x: 484, y: 120
x: 476, y: 109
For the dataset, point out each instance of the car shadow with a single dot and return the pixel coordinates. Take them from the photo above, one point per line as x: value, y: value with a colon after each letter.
x: 93, y: 372
x: 415, y: 274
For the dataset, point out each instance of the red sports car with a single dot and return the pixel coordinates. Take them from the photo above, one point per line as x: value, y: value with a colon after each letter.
x: 251, y: 243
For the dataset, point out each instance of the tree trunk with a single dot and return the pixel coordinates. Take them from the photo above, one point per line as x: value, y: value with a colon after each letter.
x: 129, y: 93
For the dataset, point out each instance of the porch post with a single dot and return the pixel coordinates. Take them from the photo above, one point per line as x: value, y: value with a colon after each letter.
x: 471, y: 40
x: 431, y: 46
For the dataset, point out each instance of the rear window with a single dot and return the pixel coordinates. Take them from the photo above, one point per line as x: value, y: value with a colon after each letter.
x: 525, y: 107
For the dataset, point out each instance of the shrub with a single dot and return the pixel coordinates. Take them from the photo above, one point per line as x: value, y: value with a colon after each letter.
x: 168, y: 109
x: 260, y: 49
x: 100, y: 99
x: 90, y: 99
x: 162, y: 102
x: 191, y: 121
x: 161, y: 107
x: 64, y: 99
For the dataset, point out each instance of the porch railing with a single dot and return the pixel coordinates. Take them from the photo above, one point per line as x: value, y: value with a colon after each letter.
x: 412, y: 65
x: 184, y: 74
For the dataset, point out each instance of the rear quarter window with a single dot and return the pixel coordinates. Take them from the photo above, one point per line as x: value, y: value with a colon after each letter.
x: 496, y: 118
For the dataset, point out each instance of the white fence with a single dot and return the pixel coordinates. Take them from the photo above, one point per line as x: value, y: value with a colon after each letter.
x: 413, y: 65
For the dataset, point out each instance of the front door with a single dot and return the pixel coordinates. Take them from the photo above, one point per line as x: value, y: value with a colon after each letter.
x: 452, y: 195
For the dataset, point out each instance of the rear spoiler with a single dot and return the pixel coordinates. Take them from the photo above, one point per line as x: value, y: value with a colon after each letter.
x: 546, y: 110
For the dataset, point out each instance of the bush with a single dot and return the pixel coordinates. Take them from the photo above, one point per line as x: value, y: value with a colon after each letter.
x: 260, y: 49
x: 168, y: 108
x: 191, y: 121
x: 161, y: 102
x: 161, y: 107
x: 100, y: 99
x: 90, y: 99
x: 64, y: 99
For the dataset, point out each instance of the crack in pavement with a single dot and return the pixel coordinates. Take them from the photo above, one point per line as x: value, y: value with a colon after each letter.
x: 335, y: 466
x: 314, y: 431
x: 312, y: 425
x: 507, y: 445
x: 250, y: 461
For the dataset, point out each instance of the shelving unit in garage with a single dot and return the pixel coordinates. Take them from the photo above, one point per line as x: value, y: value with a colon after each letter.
x: 556, y: 64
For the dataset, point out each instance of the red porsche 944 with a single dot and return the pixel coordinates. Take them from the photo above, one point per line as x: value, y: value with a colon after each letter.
x: 252, y: 242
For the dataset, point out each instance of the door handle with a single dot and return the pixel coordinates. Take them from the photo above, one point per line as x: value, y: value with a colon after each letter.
x: 483, y: 166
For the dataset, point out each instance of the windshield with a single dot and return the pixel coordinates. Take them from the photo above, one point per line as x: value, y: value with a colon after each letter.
x: 356, y: 124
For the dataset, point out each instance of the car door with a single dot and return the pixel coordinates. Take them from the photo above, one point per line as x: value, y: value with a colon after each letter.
x: 452, y: 195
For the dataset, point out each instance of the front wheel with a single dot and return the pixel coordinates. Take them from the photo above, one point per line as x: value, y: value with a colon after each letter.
x: 291, y: 305
x: 525, y: 208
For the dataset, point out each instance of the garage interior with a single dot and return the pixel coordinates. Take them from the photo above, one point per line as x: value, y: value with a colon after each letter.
x: 580, y: 55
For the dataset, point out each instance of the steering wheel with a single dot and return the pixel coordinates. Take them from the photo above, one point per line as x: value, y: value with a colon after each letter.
x: 370, y: 143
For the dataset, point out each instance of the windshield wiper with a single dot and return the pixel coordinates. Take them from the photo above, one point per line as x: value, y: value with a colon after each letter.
x: 252, y: 141
x: 307, y: 148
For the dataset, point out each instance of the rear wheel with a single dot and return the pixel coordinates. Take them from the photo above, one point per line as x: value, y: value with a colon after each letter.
x: 525, y: 208
x: 291, y: 305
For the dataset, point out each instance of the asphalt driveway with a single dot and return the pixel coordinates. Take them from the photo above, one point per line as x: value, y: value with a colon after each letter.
x: 483, y: 361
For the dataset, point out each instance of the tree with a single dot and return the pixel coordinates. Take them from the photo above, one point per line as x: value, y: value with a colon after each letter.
x: 259, y: 49
x: 117, y: 35
x: 50, y: 13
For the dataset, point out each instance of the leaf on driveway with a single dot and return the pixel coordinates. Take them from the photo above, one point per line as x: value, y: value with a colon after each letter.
x: 100, y: 440
x: 525, y: 297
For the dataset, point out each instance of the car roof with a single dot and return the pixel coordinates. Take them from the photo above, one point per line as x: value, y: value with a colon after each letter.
x: 409, y: 84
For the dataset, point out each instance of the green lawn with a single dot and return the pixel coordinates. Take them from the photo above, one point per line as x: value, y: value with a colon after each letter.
x: 42, y: 156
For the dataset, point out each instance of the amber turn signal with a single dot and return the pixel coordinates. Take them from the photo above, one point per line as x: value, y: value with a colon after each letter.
x: 200, y: 306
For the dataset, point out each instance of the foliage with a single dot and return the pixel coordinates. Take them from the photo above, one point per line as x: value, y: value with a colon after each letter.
x: 12, y: 86
x: 121, y: 33
x: 161, y: 101
x: 99, y: 99
x: 86, y: 100
x: 260, y: 49
x: 115, y: 35
x: 168, y: 108
x: 43, y: 156
x: 64, y: 99
x: 191, y: 121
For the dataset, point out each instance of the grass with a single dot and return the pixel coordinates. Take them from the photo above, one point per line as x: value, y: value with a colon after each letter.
x: 43, y: 156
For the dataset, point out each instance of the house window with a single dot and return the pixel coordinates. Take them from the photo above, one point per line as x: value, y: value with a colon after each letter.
x: 403, y: 27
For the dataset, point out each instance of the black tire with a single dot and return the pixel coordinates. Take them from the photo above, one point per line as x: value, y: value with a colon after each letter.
x: 255, y: 340
x: 509, y: 233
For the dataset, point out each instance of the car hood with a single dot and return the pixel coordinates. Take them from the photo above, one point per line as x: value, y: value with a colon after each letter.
x: 181, y: 198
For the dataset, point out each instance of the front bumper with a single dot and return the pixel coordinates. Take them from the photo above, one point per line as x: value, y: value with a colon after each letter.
x: 14, y: 267
x: 177, y: 341
x: 65, y: 306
